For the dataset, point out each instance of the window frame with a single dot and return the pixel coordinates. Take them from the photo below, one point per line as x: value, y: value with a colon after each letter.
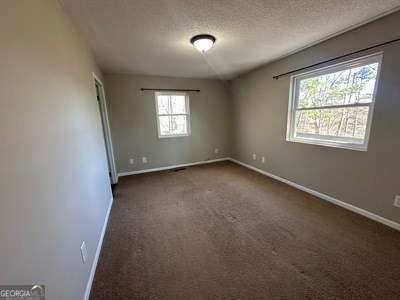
x: 187, y: 107
x: 293, y: 102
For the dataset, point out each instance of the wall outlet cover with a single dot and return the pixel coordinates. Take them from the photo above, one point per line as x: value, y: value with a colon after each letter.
x: 254, y: 156
x: 263, y: 159
x: 131, y: 161
x: 397, y: 201
x: 216, y: 150
x: 144, y: 159
x: 83, y: 252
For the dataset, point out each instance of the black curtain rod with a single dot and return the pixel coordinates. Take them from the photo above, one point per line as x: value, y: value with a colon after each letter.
x: 338, y: 57
x: 169, y: 90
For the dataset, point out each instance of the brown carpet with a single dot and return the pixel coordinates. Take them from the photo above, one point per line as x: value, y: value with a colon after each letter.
x: 221, y: 231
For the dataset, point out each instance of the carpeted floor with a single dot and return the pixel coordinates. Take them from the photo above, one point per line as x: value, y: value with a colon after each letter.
x: 221, y: 231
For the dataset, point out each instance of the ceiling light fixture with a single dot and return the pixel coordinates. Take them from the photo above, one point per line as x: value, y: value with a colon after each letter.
x: 203, y: 42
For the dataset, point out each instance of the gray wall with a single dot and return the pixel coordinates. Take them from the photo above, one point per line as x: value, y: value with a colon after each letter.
x: 54, y: 187
x: 369, y: 179
x: 132, y: 116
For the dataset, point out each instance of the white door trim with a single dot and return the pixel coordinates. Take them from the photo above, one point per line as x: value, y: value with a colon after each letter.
x: 107, y: 131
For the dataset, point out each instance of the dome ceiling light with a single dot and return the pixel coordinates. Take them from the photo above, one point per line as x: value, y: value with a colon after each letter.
x: 203, y: 42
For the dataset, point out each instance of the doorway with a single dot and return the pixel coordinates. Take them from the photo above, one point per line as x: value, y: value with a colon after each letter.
x: 101, y: 101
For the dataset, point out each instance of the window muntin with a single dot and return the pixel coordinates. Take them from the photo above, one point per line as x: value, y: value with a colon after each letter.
x: 173, y: 115
x: 333, y: 106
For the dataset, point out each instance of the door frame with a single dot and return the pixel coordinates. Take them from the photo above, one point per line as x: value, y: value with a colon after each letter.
x: 106, y: 129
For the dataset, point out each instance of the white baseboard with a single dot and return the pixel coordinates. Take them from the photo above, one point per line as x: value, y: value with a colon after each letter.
x: 172, y: 167
x: 97, y: 254
x: 335, y: 201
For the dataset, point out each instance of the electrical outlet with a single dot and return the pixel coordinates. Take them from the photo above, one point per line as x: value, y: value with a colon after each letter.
x: 144, y: 159
x: 131, y: 161
x: 216, y: 150
x: 83, y: 252
x: 397, y: 201
x: 263, y: 159
x: 254, y: 156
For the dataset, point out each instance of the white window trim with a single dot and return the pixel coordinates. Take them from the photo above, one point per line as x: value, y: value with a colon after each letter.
x: 294, y: 86
x: 162, y: 93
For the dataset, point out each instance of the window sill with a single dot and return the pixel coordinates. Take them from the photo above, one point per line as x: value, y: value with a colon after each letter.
x: 172, y: 136
x: 348, y: 146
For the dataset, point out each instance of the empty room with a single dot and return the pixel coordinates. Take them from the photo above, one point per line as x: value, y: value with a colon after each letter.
x: 199, y: 149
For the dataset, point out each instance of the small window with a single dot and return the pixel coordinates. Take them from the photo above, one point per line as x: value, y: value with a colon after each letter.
x: 333, y: 106
x: 173, y: 116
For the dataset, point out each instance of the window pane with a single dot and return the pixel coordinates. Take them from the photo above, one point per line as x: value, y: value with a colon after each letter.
x: 353, y: 85
x: 179, y: 125
x: 339, y: 124
x: 163, y: 105
x: 178, y: 104
x: 164, y: 123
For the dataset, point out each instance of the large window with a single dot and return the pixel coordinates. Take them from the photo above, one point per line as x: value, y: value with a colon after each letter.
x: 333, y: 106
x: 173, y: 116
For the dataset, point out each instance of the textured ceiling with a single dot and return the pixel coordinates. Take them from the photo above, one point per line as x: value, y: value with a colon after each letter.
x: 152, y: 36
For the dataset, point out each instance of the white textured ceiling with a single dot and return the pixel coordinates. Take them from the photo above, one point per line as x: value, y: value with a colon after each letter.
x: 152, y: 36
